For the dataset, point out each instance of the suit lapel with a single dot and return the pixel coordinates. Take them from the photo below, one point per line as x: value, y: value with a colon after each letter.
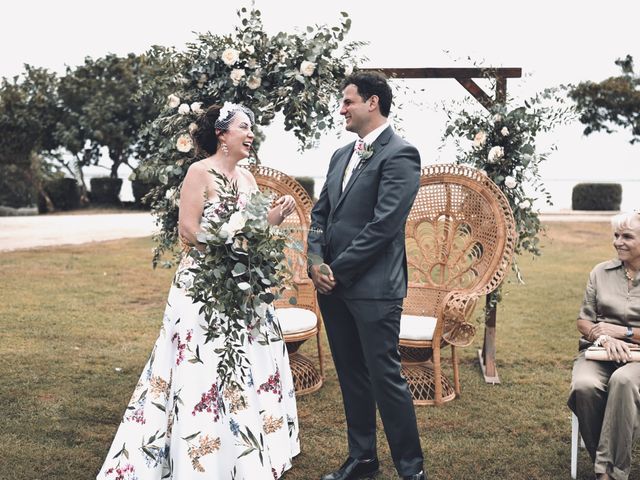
x: 378, y: 146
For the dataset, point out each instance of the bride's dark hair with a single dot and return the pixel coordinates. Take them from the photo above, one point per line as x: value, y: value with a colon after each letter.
x: 204, y: 136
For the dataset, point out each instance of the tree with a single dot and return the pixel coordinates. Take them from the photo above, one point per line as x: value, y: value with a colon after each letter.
x: 104, y: 106
x: 29, y: 115
x: 611, y: 102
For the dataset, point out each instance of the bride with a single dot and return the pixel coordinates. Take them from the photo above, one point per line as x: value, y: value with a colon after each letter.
x: 176, y: 425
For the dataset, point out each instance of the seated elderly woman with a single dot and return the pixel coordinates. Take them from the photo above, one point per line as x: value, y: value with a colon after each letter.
x: 605, y: 395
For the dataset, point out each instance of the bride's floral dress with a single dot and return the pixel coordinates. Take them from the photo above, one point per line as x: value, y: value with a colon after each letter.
x: 179, y: 426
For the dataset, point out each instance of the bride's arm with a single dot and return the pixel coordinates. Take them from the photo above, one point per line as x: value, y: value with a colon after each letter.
x: 283, y: 207
x: 192, y: 195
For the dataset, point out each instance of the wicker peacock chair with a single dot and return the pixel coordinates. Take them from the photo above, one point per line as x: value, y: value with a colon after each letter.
x: 301, y: 321
x: 460, y: 236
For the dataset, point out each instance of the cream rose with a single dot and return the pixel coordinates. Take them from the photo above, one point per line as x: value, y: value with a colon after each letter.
x: 504, y: 131
x: 254, y: 82
x: 236, y: 75
x: 235, y: 223
x: 307, y: 68
x: 479, y: 140
x: 196, y: 107
x: 495, y: 154
x: 510, y: 182
x: 183, y: 109
x: 524, y: 204
x: 173, y: 101
x: 184, y: 143
x: 230, y: 56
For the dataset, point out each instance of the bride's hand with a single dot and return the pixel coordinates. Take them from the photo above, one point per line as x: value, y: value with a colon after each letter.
x: 287, y: 205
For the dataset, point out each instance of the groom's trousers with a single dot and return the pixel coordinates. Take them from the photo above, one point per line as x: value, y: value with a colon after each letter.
x: 363, y: 337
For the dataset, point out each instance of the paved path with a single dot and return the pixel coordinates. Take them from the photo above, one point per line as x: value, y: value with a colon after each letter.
x: 17, y: 233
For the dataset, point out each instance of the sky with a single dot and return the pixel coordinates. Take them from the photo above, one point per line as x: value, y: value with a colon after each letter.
x: 553, y: 42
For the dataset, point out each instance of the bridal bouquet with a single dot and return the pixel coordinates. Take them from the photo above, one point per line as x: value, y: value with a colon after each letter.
x: 241, y: 271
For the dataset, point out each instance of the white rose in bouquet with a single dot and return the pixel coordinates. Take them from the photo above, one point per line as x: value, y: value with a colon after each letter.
x: 236, y: 75
x: 183, y: 109
x: 495, y: 154
x: 173, y: 101
x: 230, y: 56
x: 510, y: 182
x: 235, y: 223
x: 479, y: 140
x: 504, y: 131
x: 307, y: 68
x: 184, y: 143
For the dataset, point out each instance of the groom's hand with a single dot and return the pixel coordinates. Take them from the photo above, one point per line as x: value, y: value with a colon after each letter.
x: 322, y: 278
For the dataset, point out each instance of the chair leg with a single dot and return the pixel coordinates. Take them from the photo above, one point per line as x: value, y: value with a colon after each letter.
x: 320, y: 359
x: 575, y: 439
x: 437, y: 375
x: 456, y: 370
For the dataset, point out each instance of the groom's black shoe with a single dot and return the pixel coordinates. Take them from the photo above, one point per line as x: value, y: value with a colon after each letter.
x: 416, y: 476
x: 354, y: 469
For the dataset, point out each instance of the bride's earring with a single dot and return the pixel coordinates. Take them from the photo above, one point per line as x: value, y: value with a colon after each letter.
x: 225, y: 149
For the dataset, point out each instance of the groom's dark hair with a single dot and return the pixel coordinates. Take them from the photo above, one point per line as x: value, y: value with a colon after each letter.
x: 372, y: 83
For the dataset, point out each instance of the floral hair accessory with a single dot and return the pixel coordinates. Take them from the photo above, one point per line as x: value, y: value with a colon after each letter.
x: 227, y: 113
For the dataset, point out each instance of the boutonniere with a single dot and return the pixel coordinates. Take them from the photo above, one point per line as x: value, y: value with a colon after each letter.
x: 364, y: 150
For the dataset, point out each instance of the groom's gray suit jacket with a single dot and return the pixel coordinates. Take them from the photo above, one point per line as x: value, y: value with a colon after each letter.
x: 359, y: 232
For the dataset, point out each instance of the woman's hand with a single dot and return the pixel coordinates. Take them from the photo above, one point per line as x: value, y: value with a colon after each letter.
x: 618, y: 350
x: 287, y: 205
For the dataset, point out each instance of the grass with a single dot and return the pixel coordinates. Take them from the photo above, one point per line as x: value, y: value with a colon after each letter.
x: 70, y: 316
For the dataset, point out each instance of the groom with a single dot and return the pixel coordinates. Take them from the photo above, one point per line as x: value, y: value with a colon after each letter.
x: 361, y: 279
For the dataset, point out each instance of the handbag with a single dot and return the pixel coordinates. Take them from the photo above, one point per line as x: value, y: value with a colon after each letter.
x: 600, y: 354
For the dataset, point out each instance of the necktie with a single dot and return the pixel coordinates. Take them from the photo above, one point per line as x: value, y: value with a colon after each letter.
x: 353, y: 162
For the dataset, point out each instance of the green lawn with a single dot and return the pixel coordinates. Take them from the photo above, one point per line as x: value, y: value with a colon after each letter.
x: 70, y: 316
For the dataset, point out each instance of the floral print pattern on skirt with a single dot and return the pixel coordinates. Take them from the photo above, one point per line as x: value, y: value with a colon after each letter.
x: 179, y: 426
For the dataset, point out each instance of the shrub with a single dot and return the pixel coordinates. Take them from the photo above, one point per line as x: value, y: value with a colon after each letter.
x: 16, y: 189
x: 596, y: 196
x: 140, y: 188
x: 63, y: 192
x: 106, y: 190
x: 308, y: 184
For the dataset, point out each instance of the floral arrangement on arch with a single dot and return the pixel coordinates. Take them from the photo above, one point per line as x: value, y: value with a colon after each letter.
x: 298, y: 75
x: 502, y: 143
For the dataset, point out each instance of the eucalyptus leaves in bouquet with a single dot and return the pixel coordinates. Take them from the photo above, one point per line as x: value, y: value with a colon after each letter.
x: 298, y: 74
x: 237, y: 276
x: 502, y: 143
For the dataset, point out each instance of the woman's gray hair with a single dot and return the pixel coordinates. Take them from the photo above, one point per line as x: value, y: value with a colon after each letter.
x: 624, y: 220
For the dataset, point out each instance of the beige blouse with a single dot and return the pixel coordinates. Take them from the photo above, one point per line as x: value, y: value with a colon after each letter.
x: 608, y: 297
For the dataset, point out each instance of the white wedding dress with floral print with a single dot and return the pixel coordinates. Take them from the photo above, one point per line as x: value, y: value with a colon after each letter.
x: 177, y: 425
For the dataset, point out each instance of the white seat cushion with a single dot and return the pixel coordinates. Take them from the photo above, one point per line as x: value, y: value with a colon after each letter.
x: 295, y: 320
x: 415, y: 327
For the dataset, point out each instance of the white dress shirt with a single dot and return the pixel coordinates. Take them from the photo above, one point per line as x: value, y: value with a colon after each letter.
x: 355, y: 158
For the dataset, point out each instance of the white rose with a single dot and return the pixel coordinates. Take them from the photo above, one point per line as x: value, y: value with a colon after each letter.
x: 254, y: 82
x: 192, y: 127
x: 230, y: 56
x: 196, y: 107
x: 235, y: 223
x: 524, y: 204
x: 184, y: 143
x: 510, y: 182
x: 183, y: 109
x: 173, y: 101
x: 479, y: 140
x: 495, y: 154
x: 504, y: 131
x: 236, y: 75
x: 307, y: 68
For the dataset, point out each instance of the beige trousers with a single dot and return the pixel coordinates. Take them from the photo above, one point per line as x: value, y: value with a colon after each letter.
x: 605, y: 396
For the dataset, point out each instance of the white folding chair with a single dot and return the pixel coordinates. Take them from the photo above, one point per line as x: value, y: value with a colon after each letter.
x: 576, y: 441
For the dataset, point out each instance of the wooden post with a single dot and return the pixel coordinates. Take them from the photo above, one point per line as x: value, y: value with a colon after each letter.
x: 487, y: 354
